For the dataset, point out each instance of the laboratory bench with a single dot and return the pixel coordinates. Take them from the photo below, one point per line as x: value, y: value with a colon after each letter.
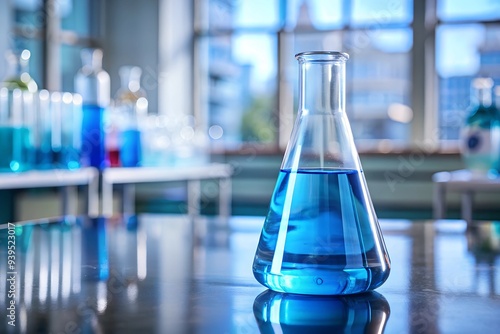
x: 67, y: 181
x: 157, y: 273
x: 129, y: 177
x: 465, y: 183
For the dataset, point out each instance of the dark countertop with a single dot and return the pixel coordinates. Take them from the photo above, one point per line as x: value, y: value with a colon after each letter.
x: 148, y: 274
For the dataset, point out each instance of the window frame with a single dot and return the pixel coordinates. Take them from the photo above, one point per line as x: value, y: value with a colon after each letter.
x: 52, y: 37
x: 434, y: 22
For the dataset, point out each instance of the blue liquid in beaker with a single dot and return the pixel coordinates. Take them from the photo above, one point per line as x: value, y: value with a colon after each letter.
x: 16, y: 149
x: 321, y: 236
x: 69, y: 158
x: 130, y: 152
x: 43, y: 158
x: 93, y: 152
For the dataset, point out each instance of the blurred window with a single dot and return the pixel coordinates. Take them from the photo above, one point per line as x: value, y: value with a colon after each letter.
x: 460, y: 10
x: 381, y: 12
x: 248, y: 59
x: 467, y: 46
x: 75, y: 25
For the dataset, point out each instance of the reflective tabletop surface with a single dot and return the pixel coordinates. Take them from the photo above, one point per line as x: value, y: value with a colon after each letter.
x: 174, y: 274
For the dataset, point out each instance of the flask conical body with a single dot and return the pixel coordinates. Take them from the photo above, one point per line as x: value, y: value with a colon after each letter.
x: 321, y: 235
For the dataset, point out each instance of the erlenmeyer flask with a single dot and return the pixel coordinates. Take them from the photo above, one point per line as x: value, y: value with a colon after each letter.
x: 321, y: 235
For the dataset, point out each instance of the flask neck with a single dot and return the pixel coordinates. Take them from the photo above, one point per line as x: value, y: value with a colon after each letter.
x: 130, y: 77
x: 482, y: 92
x: 322, y: 86
x: 91, y: 60
x: 325, y: 139
x: 130, y: 91
x: 483, y: 97
x: 92, y: 82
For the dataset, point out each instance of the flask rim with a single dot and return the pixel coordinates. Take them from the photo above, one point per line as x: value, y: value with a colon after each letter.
x: 322, y: 56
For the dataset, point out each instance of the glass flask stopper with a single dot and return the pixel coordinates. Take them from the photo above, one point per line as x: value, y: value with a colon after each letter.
x: 321, y: 235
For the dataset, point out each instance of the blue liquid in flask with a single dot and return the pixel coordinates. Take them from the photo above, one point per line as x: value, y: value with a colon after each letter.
x: 130, y: 153
x: 321, y: 236
x: 93, y: 151
x: 69, y: 157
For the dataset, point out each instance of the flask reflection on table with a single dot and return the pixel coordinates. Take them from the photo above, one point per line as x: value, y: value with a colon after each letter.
x: 277, y: 312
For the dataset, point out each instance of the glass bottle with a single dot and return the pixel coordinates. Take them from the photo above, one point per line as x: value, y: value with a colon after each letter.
x: 130, y: 110
x: 93, y: 84
x: 480, y: 137
x: 321, y: 235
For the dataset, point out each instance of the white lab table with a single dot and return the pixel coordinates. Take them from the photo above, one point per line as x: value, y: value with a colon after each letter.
x: 465, y: 183
x: 193, y: 175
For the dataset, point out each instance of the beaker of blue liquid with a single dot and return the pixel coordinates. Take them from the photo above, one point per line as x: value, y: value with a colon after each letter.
x: 16, y: 129
x: 58, y: 128
x: 17, y: 114
x: 321, y: 235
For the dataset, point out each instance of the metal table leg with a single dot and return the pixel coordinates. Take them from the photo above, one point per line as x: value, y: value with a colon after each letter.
x: 69, y: 200
x: 439, y: 201
x: 193, y: 197
x: 467, y: 197
x: 107, y: 198
x: 225, y: 197
x: 93, y: 195
x: 128, y: 199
